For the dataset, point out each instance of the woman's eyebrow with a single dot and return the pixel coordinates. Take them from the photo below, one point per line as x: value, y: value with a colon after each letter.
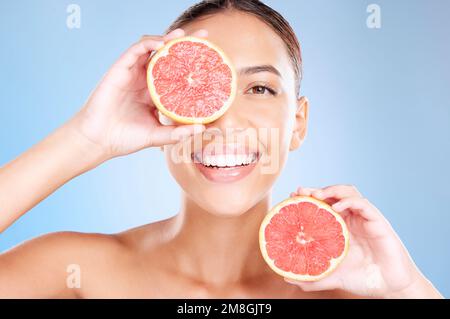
x: 259, y: 68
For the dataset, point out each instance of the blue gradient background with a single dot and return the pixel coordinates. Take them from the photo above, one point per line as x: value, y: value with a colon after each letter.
x: 379, y: 118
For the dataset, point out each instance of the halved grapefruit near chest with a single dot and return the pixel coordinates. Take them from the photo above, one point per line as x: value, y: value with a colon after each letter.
x: 302, y: 238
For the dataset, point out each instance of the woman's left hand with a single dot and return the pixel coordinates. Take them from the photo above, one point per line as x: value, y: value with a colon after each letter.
x: 377, y: 263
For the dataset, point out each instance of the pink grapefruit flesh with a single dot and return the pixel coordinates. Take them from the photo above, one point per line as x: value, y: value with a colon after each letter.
x: 302, y: 238
x: 191, y: 80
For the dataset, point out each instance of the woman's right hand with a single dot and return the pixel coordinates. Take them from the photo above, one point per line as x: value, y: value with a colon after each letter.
x: 119, y: 117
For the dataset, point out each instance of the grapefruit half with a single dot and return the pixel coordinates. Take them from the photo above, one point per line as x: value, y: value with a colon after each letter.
x: 191, y: 80
x: 302, y: 238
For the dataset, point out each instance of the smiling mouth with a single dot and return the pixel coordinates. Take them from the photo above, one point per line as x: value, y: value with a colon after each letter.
x: 223, y: 161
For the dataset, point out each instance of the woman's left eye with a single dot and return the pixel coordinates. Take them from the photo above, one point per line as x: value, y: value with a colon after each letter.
x: 261, y: 90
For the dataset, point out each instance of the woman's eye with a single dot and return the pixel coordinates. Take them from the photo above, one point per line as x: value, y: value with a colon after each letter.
x: 261, y: 90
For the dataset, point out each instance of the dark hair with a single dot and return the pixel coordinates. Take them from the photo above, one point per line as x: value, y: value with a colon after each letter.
x: 265, y: 13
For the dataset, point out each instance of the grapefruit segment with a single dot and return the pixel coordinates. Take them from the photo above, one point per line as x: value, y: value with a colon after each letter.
x: 302, y: 238
x: 191, y: 80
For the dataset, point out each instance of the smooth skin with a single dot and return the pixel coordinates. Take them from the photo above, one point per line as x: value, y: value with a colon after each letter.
x: 207, y: 249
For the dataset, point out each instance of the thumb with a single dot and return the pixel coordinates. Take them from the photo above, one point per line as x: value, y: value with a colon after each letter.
x: 323, y: 284
x: 171, y: 134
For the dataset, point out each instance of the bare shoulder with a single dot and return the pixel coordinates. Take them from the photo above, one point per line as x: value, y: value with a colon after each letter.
x: 39, y: 267
x: 95, y: 248
x: 81, y: 244
x: 60, y: 244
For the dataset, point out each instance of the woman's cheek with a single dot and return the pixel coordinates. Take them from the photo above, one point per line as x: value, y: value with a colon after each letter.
x: 274, y: 133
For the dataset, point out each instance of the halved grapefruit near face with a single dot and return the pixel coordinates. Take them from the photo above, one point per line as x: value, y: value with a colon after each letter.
x: 302, y: 238
x: 191, y: 80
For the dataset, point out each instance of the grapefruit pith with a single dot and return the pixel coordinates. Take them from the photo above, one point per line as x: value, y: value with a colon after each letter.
x: 191, y: 80
x: 302, y: 238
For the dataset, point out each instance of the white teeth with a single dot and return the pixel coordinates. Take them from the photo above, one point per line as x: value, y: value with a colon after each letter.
x: 230, y: 160
x: 224, y: 160
x: 221, y: 161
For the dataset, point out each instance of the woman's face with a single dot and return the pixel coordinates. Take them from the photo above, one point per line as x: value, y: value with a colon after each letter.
x: 263, y: 124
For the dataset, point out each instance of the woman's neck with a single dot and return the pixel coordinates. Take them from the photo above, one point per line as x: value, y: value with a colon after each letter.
x: 219, y: 249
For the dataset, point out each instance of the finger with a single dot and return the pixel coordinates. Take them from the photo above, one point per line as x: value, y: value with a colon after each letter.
x: 202, y: 33
x: 177, y: 33
x: 164, y: 135
x: 328, y: 283
x: 305, y: 191
x: 164, y: 120
x: 359, y: 205
x: 136, y: 51
x: 152, y: 37
x: 337, y: 191
x: 145, y: 60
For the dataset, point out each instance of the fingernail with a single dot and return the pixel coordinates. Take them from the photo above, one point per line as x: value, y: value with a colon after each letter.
x: 289, y: 281
x: 199, y: 128
x: 318, y: 194
x: 180, y: 32
x: 195, y: 129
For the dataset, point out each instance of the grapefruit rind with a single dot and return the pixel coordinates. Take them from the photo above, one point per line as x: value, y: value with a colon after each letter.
x: 184, y: 119
x: 334, y: 262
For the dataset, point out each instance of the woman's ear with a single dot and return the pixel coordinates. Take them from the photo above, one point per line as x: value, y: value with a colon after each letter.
x: 301, y: 123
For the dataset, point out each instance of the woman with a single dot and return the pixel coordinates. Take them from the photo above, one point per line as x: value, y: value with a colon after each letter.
x: 210, y: 248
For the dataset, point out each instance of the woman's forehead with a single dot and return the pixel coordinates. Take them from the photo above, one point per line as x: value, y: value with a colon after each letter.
x: 245, y: 39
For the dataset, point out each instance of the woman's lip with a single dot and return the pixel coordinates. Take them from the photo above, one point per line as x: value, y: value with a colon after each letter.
x: 226, y: 174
